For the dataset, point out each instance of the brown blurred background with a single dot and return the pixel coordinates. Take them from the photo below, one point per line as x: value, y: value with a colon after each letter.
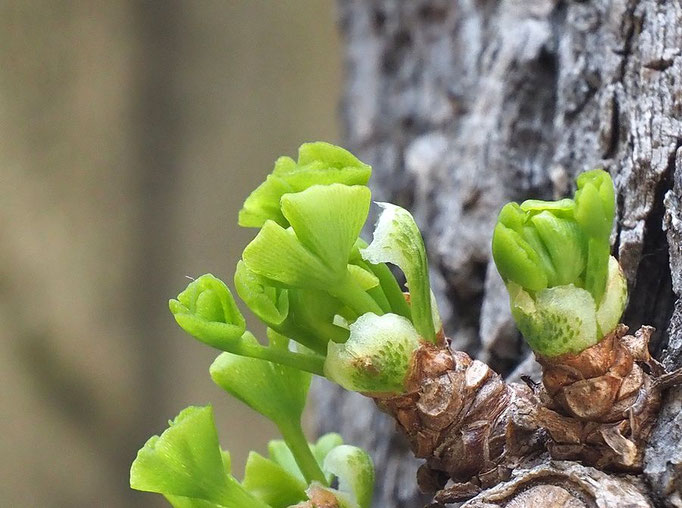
x: 130, y: 133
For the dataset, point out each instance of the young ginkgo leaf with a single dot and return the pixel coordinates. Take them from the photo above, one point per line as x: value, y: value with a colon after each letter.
x: 314, y: 253
x: 516, y: 260
x: 269, y: 303
x: 355, y: 471
x: 397, y: 240
x: 278, y: 255
x: 565, y: 245
x: 271, y: 483
x: 595, y: 211
x: 327, y: 219
x: 186, y: 461
x: 275, y: 391
x: 376, y: 357
x: 318, y: 164
x: 557, y: 321
x: 615, y: 298
x: 207, y: 311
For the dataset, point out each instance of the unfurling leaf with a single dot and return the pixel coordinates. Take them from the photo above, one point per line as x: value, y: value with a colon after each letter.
x: 355, y: 471
x: 565, y: 319
x: 269, y: 303
x: 207, y: 311
x: 595, y: 209
x: 376, y: 357
x: 397, y: 240
x: 313, y: 253
x: 271, y: 483
x: 186, y: 461
x: 318, y: 164
x: 275, y: 391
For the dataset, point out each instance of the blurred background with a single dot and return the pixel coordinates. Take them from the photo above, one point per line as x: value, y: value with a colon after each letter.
x: 130, y: 134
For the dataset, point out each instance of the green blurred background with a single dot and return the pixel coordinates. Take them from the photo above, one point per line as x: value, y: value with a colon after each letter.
x: 130, y: 133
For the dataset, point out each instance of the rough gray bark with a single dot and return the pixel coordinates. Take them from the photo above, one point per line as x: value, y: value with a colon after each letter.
x: 462, y: 106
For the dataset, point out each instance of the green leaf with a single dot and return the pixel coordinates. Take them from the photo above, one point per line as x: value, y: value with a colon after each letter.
x: 595, y: 211
x: 563, y: 208
x: 516, y: 260
x: 269, y: 303
x: 271, y: 483
x: 302, y: 315
x: 325, y: 444
x: 354, y: 468
x: 207, y: 311
x: 277, y: 254
x: 280, y: 453
x: 565, y: 244
x: 327, y: 219
x: 318, y: 164
x: 557, y: 321
x: 331, y: 156
x: 376, y: 357
x: 615, y: 298
x: 314, y: 253
x: 397, y: 240
x: 275, y: 391
x: 263, y: 203
x: 595, y: 203
x: 186, y: 461
x: 364, y: 278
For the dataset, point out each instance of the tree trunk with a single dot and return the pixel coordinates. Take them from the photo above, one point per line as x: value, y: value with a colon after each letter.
x: 463, y: 106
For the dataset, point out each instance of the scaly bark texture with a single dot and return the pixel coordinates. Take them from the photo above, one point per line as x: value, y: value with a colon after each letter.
x: 462, y: 106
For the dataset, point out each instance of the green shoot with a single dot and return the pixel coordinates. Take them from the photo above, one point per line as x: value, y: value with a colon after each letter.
x: 397, y: 240
x: 566, y: 291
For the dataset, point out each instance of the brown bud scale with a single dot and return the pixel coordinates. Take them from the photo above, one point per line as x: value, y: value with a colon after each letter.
x: 473, y: 428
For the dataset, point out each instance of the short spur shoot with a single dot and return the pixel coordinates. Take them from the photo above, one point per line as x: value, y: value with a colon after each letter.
x: 333, y: 307
x: 567, y: 295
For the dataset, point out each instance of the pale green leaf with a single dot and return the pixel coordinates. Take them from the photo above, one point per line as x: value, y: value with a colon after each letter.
x: 376, y: 357
x: 186, y: 461
x: 318, y: 164
x: 207, y: 311
x: 565, y: 244
x: 354, y: 468
x: 269, y: 303
x: 327, y: 219
x: 271, y: 483
x: 615, y: 298
x: 275, y: 391
x: 557, y: 321
x: 277, y: 254
x: 397, y: 240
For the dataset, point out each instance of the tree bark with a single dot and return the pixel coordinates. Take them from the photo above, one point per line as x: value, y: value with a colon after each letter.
x: 463, y: 106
